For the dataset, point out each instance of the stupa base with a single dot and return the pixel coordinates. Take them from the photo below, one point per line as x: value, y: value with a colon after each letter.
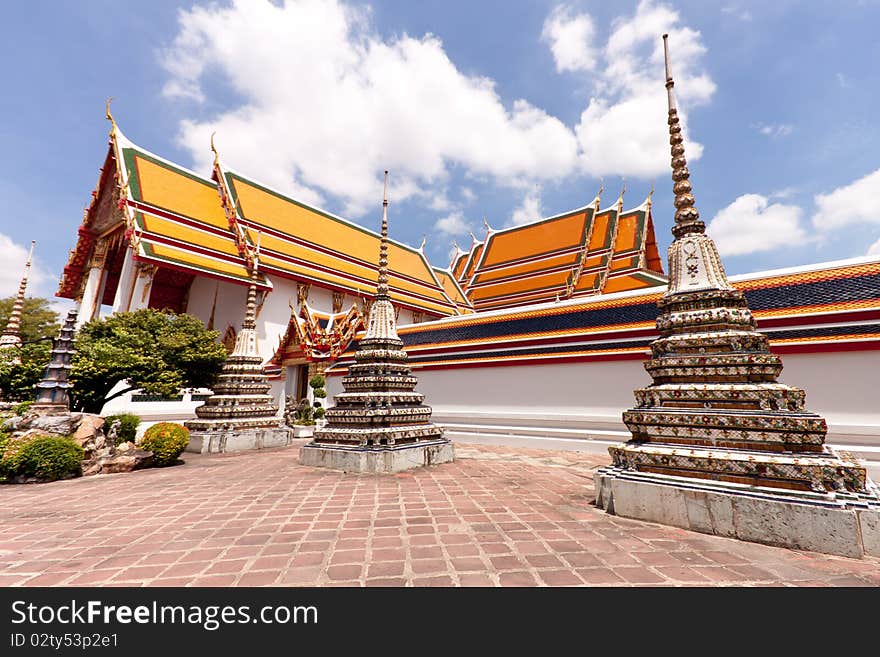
x: 238, y: 440
x: 844, y: 524
x: 377, y: 459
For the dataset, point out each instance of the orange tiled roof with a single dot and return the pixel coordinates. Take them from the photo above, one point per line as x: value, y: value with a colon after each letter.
x: 582, y: 252
x: 180, y: 219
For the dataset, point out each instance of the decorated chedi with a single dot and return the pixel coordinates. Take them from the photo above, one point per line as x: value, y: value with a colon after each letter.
x: 10, y: 341
x: 53, y: 391
x: 379, y: 424
x: 718, y: 445
x: 240, y: 414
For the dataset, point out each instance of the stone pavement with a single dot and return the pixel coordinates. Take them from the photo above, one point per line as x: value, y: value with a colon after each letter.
x: 497, y: 516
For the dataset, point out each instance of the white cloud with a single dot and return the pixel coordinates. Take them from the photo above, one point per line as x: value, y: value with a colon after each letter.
x: 623, y: 130
x: 773, y: 129
x: 858, y: 202
x: 737, y: 12
x: 874, y: 249
x: 327, y: 104
x: 751, y: 224
x: 528, y: 210
x: 452, y: 224
x: 13, y: 256
x: 570, y: 37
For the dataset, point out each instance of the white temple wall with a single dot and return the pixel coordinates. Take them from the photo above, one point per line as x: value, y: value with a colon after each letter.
x: 578, y: 406
x: 230, y: 307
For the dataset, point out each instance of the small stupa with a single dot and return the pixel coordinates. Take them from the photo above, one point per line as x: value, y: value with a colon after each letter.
x: 379, y: 424
x: 52, y: 392
x: 240, y: 414
x: 718, y: 444
x: 11, y: 338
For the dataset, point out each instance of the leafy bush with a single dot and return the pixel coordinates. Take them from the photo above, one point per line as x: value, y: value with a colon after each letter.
x: 51, y: 458
x: 319, y: 413
x: 22, y: 407
x: 166, y: 440
x: 128, y: 424
x: 41, y: 456
x: 11, y: 456
x: 316, y: 383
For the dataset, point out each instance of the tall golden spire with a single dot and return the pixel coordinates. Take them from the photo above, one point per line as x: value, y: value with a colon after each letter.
x: 687, y: 217
x: 382, y: 283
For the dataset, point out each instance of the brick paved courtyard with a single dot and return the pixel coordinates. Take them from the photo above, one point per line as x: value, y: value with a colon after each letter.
x: 497, y: 516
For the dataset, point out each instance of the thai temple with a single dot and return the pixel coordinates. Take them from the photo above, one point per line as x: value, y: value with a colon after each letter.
x: 535, y: 335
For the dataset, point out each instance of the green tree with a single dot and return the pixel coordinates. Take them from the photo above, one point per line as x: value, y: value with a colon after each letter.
x: 39, y: 324
x: 17, y: 380
x: 156, y: 352
x: 38, y: 320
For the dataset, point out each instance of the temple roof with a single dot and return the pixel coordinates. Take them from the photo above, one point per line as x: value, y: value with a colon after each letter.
x: 182, y: 220
x: 823, y: 307
x: 577, y: 253
x: 304, y: 242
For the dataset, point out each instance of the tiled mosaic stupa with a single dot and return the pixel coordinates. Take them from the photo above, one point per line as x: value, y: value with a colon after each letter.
x: 11, y: 339
x: 52, y: 392
x: 240, y: 414
x: 379, y: 424
x: 718, y: 445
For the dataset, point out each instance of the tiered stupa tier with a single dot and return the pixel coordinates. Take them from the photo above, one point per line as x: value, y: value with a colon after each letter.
x: 379, y: 424
x: 52, y: 391
x: 718, y: 445
x: 11, y: 338
x: 241, y: 397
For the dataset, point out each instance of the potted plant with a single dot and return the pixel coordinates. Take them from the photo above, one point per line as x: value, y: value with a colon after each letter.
x: 300, y: 417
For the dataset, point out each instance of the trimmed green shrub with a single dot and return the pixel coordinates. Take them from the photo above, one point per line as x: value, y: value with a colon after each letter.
x: 11, y: 457
x: 316, y: 383
x: 4, y: 440
x: 41, y: 456
x: 319, y: 413
x: 128, y: 424
x: 51, y: 458
x: 166, y: 440
x: 22, y: 407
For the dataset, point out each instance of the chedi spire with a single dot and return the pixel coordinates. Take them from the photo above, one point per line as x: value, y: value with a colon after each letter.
x: 718, y: 444
x: 11, y: 338
x: 379, y: 423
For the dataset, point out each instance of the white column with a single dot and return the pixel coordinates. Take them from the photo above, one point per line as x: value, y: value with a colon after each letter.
x: 126, y: 281
x: 90, y: 303
x: 140, y: 293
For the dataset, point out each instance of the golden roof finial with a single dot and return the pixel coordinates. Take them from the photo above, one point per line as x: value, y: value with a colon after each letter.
x: 687, y: 217
x: 649, y: 200
x: 598, y: 199
x: 620, y: 198
x: 109, y: 116
x: 214, y: 150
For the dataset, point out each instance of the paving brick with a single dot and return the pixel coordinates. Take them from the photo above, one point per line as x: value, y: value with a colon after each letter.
x: 496, y: 516
x: 560, y: 578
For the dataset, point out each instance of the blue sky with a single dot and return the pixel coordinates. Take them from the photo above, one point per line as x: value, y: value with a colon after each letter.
x: 508, y: 110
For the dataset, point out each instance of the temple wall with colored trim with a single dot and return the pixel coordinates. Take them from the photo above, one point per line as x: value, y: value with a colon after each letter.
x: 578, y: 405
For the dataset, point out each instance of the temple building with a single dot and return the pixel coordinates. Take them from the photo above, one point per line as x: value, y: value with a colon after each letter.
x: 535, y: 335
x: 157, y: 235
